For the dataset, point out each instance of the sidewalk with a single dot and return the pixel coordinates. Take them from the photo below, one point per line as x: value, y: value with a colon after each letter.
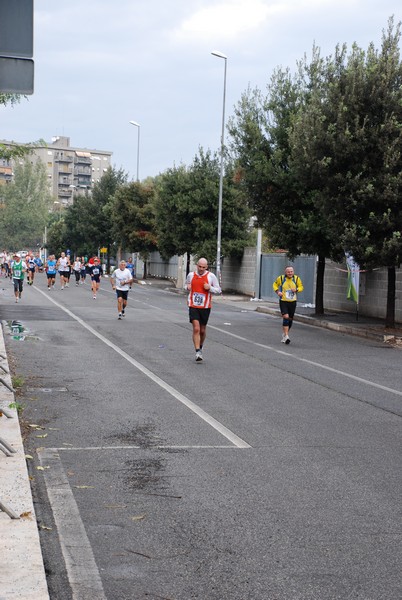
x: 22, y: 571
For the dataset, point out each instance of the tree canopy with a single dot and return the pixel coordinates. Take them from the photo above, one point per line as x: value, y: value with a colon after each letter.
x: 133, y: 217
x: 25, y: 204
x: 187, y: 210
x: 86, y: 225
x: 320, y: 156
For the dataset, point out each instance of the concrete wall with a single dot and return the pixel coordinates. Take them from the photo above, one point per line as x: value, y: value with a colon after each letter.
x: 239, y: 275
x: 372, y: 293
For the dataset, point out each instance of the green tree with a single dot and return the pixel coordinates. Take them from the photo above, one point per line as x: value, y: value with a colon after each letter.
x: 133, y: 218
x: 187, y: 210
x: 87, y: 224
x: 320, y: 158
x: 76, y: 229
x: 349, y: 143
x: 56, y: 234
x: 260, y: 133
x: 102, y: 196
x: 25, y: 204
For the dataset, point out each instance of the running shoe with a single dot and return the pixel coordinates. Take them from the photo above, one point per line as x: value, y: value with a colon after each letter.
x: 283, y: 340
x: 198, y: 356
x: 119, y: 317
x: 287, y: 339
x: 94, y: 297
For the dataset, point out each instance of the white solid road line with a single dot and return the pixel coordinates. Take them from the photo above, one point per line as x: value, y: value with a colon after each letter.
x: 310, y: 362
x: 306, y: 360
x: 83, y: 574
x: 224, y: 431
x: 174, y: 447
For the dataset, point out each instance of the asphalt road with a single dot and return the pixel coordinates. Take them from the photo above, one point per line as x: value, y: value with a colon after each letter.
x: 267, y: 472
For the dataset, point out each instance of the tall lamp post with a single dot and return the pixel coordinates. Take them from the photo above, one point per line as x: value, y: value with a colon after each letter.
x: 219, y: 235
x: 138, y: 146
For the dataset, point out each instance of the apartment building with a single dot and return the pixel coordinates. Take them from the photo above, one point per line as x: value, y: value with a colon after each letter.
x: 70, y: 170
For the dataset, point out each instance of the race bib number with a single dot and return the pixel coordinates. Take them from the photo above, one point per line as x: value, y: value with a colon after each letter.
x: 17, y: 274
x: 198, y: 299
x: 290, y: 295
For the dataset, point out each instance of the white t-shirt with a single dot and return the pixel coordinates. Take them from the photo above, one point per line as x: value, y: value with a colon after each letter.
x: 63, y: 264
x: 121, y: 278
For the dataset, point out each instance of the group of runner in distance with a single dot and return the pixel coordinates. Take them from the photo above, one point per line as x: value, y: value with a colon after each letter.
x: 16, y: 268
x: 201, y: 284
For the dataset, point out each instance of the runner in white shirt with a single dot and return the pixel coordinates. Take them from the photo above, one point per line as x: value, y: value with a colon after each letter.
x: 77, y: 270
x: 121, y: 279
x: 63, y: 267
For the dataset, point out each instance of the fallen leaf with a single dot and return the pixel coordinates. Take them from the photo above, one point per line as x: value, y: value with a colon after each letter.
x: 84, y: 487
x: 28, y: 456
x: 42, y: 436
x: 139, y: 517
x: 47, y: 528
x: 26, y: 515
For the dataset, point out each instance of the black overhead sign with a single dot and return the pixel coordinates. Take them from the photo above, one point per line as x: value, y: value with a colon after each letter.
x: 16, y: 46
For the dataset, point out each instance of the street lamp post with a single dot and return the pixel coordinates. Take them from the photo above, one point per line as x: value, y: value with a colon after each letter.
x: 219, y: 234
x: 138, y: 146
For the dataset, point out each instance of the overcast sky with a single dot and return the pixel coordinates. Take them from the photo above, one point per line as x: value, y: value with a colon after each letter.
x: 100, y: 64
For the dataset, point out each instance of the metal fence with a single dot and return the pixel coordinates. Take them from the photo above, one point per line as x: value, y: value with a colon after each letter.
x: 273, y: 265
x: 158, y: 267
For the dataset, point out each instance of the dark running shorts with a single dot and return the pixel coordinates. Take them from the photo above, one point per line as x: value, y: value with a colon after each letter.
x: 122, y: 294
x: 199, y: 314
x: 17, y: 285
x: 287, y: 308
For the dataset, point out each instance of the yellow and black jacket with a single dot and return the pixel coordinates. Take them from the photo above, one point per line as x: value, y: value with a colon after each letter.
x: 284, y: 285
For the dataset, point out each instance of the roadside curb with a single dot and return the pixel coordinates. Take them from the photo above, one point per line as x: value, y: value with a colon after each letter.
x: 339, y: 327
x: 22, y: 573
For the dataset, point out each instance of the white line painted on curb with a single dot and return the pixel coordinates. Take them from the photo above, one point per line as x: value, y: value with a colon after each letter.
x: 310, y: 362
x: 177, y: 447
x: 224, y: 431
x: 83, y: 574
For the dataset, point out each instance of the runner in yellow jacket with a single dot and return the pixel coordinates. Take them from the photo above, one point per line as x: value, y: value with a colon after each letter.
x: 287, y: 287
